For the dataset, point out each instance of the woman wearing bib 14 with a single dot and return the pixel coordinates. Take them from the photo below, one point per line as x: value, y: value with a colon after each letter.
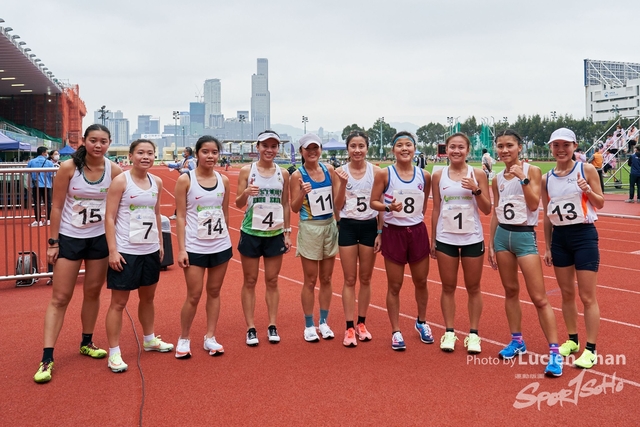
x: 202, y: 203
x: 460, y: 192
x: 360, y: 234
x: 405, y: 239
x: 571, y: 193
x: 263, y: 187
x: 77, y: 234
x: 135, y: 248
x: 512, y: 243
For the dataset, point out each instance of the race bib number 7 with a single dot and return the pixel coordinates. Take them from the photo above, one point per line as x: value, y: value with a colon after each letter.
x: 142, y: 227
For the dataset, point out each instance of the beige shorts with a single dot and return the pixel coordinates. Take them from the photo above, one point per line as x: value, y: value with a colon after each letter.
x: 317, y: 239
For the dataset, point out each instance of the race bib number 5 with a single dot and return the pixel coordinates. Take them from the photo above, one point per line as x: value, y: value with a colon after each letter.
x: 211, y: 224
x: 357, y: 204
x: 321, y: 201
x: 412, y: 202
x: 142, y: 227
x: 267, y: 217
x: 566, y: 210
x: 86, y: 213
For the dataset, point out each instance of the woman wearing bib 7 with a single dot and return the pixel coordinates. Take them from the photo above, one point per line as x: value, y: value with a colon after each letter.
x: 571, y: 193
x: 460, y: 193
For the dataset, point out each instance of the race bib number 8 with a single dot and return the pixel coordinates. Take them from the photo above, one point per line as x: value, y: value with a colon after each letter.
x: 142, y: 227
x: 412, y: 202
x: 512, y: 210
x: 86, y: 213
x: 566, y: 210
x: 458, y: 219
x: 211, y: 224
x: 267, y: 217
x: 321, y: 201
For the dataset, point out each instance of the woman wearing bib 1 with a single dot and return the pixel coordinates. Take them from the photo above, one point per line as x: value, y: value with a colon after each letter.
x: 312, y: 191
x: 460, y: 192
x: 77, y: 234
x: 571, y: 193
x: 202, y: 203
x: 512, y: 243
x: 360, y: 234
x: 263, y: 187
x: 135, y: 248
x: 405, y: 239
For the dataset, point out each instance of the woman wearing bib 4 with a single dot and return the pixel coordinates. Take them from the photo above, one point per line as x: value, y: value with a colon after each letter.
x: 571, y: 193
x: 512, y: 243
x: 460, y: 192
x: 405, y: 240
x: 263, y: 187
x: 77, y: 234
x: 135, y: 248
x: 202, y: 203
x: 360, y: 234
x: 312, y: 191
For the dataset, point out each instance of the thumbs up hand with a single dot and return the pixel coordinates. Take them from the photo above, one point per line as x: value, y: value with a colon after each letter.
x: 582, y: 183
x: 305, y: 186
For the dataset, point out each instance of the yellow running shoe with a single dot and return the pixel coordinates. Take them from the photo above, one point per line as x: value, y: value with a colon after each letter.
x: 569, y: 347
x: 93, y: 351
x: 44, y: 372
x: 587, y: 360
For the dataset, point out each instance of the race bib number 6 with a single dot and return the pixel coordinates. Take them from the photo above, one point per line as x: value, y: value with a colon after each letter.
x: 142, y: 227
x: 86, y: 213
x: 512, y: 210
x: 267, y: 217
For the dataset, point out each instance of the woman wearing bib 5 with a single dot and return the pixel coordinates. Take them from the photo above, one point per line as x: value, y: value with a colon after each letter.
x: 460, y: 193
x: 571, y: 193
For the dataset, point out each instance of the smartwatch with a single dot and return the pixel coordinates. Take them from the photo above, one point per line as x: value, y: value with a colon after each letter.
x: 524, y: 181
x: 387, y: 208
x: 477, y: 192
x: 53, y: 241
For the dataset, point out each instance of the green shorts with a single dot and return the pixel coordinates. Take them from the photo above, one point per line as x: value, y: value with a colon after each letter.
x: 520, y: 241
x: 317, y: 239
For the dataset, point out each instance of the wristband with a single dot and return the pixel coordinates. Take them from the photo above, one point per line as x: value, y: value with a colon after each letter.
x: 287, y: 230
x: 379, y: 231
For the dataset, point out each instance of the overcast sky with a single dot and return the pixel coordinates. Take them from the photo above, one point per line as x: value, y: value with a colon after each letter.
x: 337, y: 62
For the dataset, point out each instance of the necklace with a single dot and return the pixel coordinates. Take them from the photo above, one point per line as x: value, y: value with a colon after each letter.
x: 98, y: 181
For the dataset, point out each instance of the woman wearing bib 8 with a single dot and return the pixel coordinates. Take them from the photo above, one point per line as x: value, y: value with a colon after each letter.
x: 359, y: 236
x: 460, y: 192
x: 76, y: 235
x: 263, y: 187
x: 512, y: 243
x: 312, y: 191
x: 405, y: 240
x: 135, y: 248
x: 571, y: 193
x: 202, y: 203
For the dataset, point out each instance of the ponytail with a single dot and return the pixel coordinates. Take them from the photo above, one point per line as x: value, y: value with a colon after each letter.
x: 79, y: 157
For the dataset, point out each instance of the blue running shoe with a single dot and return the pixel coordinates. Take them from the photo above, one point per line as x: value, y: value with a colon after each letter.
x: 554, y: 367
x: 397, y: 342
x: 425, y: 332
x: 513, y: 349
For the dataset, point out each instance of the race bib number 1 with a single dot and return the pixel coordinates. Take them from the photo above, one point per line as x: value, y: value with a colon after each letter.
x: 211, y: 224
x: 412, y: 202
x: 458, y: 219
x: 142, y: 227
x: 267, y: 217
x: 566, y: 210
x: 86, y: 213
x: 321, y: 201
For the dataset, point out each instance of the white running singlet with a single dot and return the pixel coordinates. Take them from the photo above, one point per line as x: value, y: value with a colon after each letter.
x: 459, y: 221
x: 358, y: 195
x: 568, y: 204
x: 512, y: 208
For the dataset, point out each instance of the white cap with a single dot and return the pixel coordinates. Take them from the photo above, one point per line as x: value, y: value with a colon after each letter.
x: 308, y: 139
x: 268, y: 135
x: 562, y: 134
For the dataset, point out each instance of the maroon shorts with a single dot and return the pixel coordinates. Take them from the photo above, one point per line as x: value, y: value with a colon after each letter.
x: 404, y: 245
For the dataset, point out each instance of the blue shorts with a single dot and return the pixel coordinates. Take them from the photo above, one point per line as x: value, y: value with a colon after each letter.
x: 519, y: 240
x: 575, y: 245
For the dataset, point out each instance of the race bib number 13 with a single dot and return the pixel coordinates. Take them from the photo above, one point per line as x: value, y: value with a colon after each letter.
x: 566, y: 210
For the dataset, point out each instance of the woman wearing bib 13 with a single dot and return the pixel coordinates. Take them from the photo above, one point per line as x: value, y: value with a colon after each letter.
x: 460, y: 192
x: 359, y: 237
x: 405, y: 239
x: 571, y: 193
x: 135, y: 248
x: 512, y: 243
x: 202, y: 203
x: 263, y: 187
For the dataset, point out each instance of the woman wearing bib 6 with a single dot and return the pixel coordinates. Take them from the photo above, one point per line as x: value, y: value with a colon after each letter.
x: 405, y: 240
x: 571, y: 193
x: 77, y: 234
x: 263, y: 187
x: 312, y: 192
x: 512, y: 243
x: 460, y: 192
x: 360, y: 234
x: 135, y: 248
x: 202, y: 203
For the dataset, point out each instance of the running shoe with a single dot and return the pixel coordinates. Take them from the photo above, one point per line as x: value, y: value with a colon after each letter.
x: 569, y: 347
x: 326, y: 331
x: 629, y: 201
x: 587, y: 360
x: 513, y: 349
x: 554, y: 367
x: 397, y: 342
x: 425, y: 333
x: 93, y: 351
x: 183, y: 349
x: 472, y: 343
x: 116, y: 364
x: 157, y: 344
x: 311, y: 335
x: 448, y: 341
x: 211, y: 345
x: 34, y: 224
x: 252, y: 337
x: 350, y: 338
x: 362, y: 332
x: 43, y: 375
x: 272, y: 333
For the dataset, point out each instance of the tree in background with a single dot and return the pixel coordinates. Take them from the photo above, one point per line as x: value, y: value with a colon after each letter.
x: 429, y: 136
x: 348, y: 129
x: 375, y: 138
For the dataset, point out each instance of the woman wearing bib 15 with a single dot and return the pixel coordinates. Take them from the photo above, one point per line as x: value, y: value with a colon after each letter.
x: 135, y: 248
x: 77, y: 234
x: 571, y: 193
x: 312, y: 190
x: 263, y: 187
x: 405, y: 239
x: 512, y: 243
x: 460, y: 192
x: 202, y: 203
x: 359, y: 236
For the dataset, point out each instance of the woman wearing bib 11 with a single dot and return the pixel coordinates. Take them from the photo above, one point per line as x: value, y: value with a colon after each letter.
x: 135, y: 248
x: 202, y: 203
x: 312, y: 190
x: 359, y: 237
x: 405, y: 239
x: 263, y: 187
x: 460, y: 192
x: 512, y: 243
x: 571, y: 193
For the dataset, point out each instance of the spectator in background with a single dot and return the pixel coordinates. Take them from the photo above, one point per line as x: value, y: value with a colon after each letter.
x: 54, y: 157
x: 421, y: 162
x: 580, y: 156
x: 187, y: 164
x: 41, y: 185
x: 634, y: 175
x: 609, y: 160
x: 596, y: 160
x: 619, y: 139
x: 632, y: 137
x: 487, y: 162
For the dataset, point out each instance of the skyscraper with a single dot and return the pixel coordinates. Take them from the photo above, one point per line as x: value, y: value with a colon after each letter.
x: 260, y: 98
x: 212, y: 101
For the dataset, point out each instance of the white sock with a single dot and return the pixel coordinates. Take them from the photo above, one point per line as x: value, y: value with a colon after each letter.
x: 114, y: 350
x: 148, y: 338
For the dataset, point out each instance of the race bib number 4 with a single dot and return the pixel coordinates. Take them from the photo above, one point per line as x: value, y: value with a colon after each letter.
x: 512, y: 210
x: 211, y: 224
x: 143, y: 227
x: 87, y: 213
x: 458, y: 219
x: 321, y: 201
x: 566, y: 210
x: 357, y: 204
x: 267, y: 217
x: 412, y: 202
